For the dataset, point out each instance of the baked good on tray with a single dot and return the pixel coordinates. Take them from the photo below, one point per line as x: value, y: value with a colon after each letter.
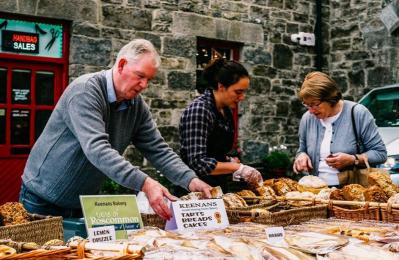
x: 384, y: 181
x: 266, y: 192
x: 354, y: 192
x: 246, y: 193
x: 232, y: 200
x: 311, y: 183
x: 375, y: 193
x: 13, y: 213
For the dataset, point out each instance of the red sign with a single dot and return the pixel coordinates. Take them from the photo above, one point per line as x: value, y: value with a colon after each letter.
x: 13, y: 41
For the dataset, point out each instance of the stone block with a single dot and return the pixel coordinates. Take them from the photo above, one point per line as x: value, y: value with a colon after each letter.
x: 133, y: 155
x: 169, y: 133
x: 161, y: 20
x: 264, y: 71
x: 254, y: 151
x: 75, y: 10
x: 356, y: 78
x: 259, y: 85
x: 181, y: 46
x: 26, y: 6
x: 178, y: 80
x: 256, y: 56
x: 85, y: 29
x: 282, y: 57
x: 126, y: 17
x: 90, y: 51
x: 153, y: 38
x: 8, y: 6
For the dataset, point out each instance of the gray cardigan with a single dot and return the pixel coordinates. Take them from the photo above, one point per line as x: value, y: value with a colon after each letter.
x: 83, y: 142
x: 311, y: 134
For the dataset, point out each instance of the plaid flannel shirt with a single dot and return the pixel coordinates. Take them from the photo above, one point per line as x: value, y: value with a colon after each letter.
x: 195, y: 125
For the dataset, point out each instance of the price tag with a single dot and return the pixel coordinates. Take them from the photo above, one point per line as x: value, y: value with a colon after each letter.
x: 102, y: 234
x: 275, y: 235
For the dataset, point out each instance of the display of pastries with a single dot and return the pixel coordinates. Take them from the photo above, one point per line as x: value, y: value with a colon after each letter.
x: 325, y: 193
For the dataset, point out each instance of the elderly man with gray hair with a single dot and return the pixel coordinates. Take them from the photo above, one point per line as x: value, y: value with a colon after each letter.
x: 96, y: 118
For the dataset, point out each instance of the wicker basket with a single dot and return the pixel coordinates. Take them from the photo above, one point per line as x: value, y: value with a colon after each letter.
x: 364, y: 213
x: 40, y: 230
x: 389, y: 214
x: 280, y: 218
x: 40, y: 254
x: 153, y: 220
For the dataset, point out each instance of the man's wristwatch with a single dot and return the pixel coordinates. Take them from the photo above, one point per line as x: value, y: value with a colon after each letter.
x: 356, y: 160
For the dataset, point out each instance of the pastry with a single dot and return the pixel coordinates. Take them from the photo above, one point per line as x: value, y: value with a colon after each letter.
x: 232, y: 200
x: 6, y: 251
x: 375, y: 193
x: 325, y: 193
x: 281, y: 187
x: 354, y: 192
x: 337, y: 195
x: 246, y: 193
x: 13, y: 213
x: 384, y: 181
x: 311, y: 183
x: 266, y: 192
x: 394, y: 199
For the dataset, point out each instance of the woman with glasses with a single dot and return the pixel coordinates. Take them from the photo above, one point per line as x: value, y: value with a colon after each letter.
x: 207, y: 127
x: 327, y: 143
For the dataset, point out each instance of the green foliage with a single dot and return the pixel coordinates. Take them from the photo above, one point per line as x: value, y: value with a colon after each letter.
x: 111, y: 187
x: 277, y: 159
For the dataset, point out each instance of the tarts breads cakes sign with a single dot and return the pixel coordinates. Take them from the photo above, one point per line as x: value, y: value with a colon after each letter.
x: 105, y: 214
x: 200, y: 214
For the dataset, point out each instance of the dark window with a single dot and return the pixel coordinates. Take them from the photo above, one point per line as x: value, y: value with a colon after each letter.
x: 3, y: 85
x: 2, y: 126
x: 44, y: 88
x: 208, y: 49
x: 20, y: 119
x: 42, y: 117
x: 21, y: 86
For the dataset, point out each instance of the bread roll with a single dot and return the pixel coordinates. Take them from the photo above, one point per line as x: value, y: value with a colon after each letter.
x: 354, y: 192
x: 375, y: 193
x: 384, y: 181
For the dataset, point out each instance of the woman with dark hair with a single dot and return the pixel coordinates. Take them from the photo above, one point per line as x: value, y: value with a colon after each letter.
x: 327, y: 142
x: 207, y: 127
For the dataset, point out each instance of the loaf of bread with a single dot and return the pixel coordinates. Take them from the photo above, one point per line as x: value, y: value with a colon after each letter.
x: 384, y: 181
x: 246, y: 193
x: 232, y: 200
x: 337, y: 195
x: 354, y: 192
x: 281, y: 187
x: 266, y: 192
x: 325, y: 193
x: 13, y: 213
x: 375, y: 193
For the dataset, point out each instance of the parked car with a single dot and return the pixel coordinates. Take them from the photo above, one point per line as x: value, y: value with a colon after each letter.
x: 383, y: 103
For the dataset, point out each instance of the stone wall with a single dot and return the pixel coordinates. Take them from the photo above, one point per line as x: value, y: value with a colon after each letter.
x: 363, y: 55
x: 358, y: 52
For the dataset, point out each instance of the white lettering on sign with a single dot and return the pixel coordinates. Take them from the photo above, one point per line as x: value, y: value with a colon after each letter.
x: 24, y: 46
x: 102, y: 234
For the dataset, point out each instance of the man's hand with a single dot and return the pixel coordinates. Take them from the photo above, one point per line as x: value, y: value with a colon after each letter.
x: 249, y: 174
x: 198, y: 185
x: 302, y: 164
x: 155, y: 193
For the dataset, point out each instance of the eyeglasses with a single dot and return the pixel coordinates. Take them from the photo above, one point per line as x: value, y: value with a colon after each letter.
x: 314, y: 106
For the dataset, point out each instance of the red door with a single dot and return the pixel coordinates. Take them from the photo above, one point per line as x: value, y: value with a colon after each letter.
x: 28, y: 94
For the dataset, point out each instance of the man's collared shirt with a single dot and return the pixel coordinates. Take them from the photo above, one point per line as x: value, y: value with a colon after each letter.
x: 112, y: 95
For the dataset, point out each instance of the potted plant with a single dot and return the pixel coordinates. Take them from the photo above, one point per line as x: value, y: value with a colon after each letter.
x: 277, y: 162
